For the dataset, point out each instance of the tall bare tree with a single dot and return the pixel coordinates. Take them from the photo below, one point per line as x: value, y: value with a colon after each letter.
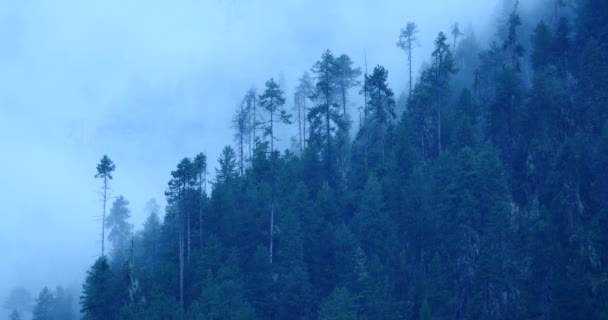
x: 272, y: 101
x: 303, y: 92
x: 346, y: 78
x: 200, y: 166
x: 408, y: 40
x: 104, y: 172
x: 443, y: 68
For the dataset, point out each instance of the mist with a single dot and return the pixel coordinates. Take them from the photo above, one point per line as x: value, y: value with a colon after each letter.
x: 151, y: 82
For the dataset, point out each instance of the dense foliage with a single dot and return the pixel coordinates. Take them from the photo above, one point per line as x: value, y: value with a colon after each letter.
x: 484, y: 199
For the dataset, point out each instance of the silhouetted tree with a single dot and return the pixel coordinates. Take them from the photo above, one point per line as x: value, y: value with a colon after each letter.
x: 104, y: 171
x: 408, y: 40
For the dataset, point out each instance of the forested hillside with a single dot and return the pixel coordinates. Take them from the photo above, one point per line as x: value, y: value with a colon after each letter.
x: 481, y: 193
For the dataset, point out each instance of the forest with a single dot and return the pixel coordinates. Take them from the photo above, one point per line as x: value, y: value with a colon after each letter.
x: 478, y: 193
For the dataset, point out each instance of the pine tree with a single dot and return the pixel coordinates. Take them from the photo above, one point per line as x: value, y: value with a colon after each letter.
x: 456, y: 33
x: 240, y: 122
x: 408, y: 40
x: 272, y: 101
x: 63, y: 308
x: 325, y: 116
x: 227, y: 172
x: 302, y: 95
x: 340, y: 305
x: 380, y: 106
x: 43, y: 310
x: 200, y: 172
x: 346, y: 78
x: 443, y: 67
x: 97, y: 301
x: 104, y: 171
x: 120, y: 229
x: 178, y: 196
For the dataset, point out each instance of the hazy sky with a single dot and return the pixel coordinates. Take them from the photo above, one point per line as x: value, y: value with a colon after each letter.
x: 149, y: 82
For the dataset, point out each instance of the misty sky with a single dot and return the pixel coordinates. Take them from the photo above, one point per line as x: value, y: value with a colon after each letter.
x: 149, y: 82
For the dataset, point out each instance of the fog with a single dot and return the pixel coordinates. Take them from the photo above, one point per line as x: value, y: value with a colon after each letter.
x: 148, y: 83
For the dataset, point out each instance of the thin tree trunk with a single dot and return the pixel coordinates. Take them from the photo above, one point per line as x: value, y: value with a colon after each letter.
x: 253, y: 127
x: 181, y: 246
x: 250, y: 133
x: 304, y: 121
x: 273, y: 187
x: 409, y: 58
x: 365, y: 112
x: 437, y: 93
x: 241, y: 140
x: 188, y: 231
x: 382, y: 141
x: 103, y: 217
x: 200, y: 210
x: 344, y: 101
x: 181, y: 267
x: 300, y: 119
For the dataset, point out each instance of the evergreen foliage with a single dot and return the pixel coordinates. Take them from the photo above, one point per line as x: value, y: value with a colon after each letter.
x: 482, y: 200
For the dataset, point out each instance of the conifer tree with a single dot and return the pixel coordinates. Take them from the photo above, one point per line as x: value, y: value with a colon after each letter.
x: 302, y: 95
x: 346, y: 78
x: 380, y: 105
x: 43, y: 310
x: 200, y: 168
x: 325, y: 116
x: 443, y: 67
x: 408, y: 40
x: 272, y: 101
x: 120, y: 228
x: 97, y: 301
x: 104, y: 171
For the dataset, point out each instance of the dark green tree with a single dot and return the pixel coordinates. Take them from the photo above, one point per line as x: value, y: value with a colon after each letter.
x: 44, y: 307
x: 443, y: 67
x: 97, y: 300
x: 408, y: 40
x: 121, y: 230
x: 302, y: 95
x: 104, y: 172
x: 324, y: 116
x: 346, y: 76
x: 340, y: 305
x: 272, y: 101
x: 380, y: 107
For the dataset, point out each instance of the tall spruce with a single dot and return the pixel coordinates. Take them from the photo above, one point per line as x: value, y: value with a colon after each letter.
x: 380, y: 106
x: 408, y: 40
x: 272, y: 102
x: 104, y: 172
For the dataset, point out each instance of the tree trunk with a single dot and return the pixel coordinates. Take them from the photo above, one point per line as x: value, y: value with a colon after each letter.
x: 304, y: 122
x: 273, y: 188
x: 254, y: 124
x: 409, y: 58
x: 188, y: 231
x: 103, y: 217
x: 241, y: 140
x: 437, y: 93
x: 382, y: 141
x: 344, y: 101
x: 181, y: 267
x: 200, y: 210
x: 300, y: 119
